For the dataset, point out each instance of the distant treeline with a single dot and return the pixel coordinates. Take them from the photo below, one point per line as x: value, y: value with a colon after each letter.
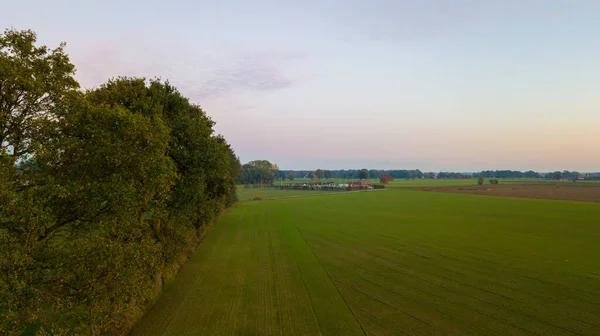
x: 103, y: 193
x: 263, y: 172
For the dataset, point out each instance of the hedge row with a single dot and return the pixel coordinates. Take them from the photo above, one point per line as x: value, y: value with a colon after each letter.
x: 101, y: 192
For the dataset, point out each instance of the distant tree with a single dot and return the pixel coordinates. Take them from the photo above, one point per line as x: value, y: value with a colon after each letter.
x: 313, y: 176
x: 386, y: 179
x: 258, y: 172
x: 480, y: 180
x: 320, y: 173
x: 363, y: 174
x: 264, y: 164
x: 429, y: 175
x: 531, y: 174
x: 291, y: 175
x: 373, y: 174
x: 557, y: 175
x: 328, y: 174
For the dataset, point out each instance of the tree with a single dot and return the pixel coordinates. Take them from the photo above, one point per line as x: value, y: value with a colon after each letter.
x: 34, y: 80
x: 328, y: 174
x: 313, y: 176
x: 112, y: 186
x: 290, y: 175
x: 385, y: 179
x: 429, y: 175
x: 363, y: 174
x: 264, y: 164
x: 258, y: 172
x: 556, y: 175
x: 373, y: 174
x: 320, y: 173
x: 480, y: 180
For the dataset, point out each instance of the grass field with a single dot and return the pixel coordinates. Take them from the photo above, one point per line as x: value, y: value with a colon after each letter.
x: 390, y: 263
x: 248, y: 194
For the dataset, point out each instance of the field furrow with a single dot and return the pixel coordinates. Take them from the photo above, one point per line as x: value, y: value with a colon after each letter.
x: 393, y: 263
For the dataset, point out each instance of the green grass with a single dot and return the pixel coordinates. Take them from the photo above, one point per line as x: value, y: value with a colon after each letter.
x: 248, y: 194
x: 394, y: 262
x: 430, y: 182
x: 334, y: 180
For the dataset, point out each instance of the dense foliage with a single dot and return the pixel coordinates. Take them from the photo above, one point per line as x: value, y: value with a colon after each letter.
x: 258, y: 172
x: 417, y: 174
x: 101, y: 192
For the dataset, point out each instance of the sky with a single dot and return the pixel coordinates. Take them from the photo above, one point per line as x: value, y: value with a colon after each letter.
x: 462, y: 85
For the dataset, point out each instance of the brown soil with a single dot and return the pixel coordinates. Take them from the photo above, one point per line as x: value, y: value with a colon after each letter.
x: 583, y: 192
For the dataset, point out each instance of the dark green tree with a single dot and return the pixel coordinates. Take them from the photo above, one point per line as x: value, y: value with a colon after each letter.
x: 363, y: 174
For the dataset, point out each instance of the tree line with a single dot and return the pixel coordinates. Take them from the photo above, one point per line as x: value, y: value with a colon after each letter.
x: 263, y: 172
x: 102, y: 192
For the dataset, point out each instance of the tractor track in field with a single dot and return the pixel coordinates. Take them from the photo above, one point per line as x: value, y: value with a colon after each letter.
x: 332, y: 281
x: 318, y: 193
x: 529, y: 314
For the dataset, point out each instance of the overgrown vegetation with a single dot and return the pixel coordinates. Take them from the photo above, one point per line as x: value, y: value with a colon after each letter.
x: 101, y: 191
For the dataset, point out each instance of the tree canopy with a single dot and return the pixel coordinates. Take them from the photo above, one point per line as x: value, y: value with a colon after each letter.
x: 101, y: 191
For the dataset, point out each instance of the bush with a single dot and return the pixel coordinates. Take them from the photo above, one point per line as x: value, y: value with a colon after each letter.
x: 257, y: 198
x: 493, y: 181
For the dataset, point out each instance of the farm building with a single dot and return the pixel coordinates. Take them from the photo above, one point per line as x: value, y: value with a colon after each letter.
x: 359, y: 184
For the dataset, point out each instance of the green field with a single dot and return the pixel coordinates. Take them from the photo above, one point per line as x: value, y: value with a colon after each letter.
x: 430, y: 183
x: 307, y: 180
x: 248, y: 194
x: 390, y: 263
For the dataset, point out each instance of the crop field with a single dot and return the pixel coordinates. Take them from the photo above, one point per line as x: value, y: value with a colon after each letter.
x: 578, y: 191
x: 430, y: 182
x: 398, y: 262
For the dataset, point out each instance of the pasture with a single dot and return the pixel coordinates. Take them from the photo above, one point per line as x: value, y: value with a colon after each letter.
x: 390, y: 263
x: 248, y: 194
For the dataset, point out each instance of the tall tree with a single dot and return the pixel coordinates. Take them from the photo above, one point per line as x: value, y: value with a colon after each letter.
x: 320, y: 173
x: 34, y: 80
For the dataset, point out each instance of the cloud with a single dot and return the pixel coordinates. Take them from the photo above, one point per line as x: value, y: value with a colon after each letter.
x: 199, y: 75
x: 245, y: 72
